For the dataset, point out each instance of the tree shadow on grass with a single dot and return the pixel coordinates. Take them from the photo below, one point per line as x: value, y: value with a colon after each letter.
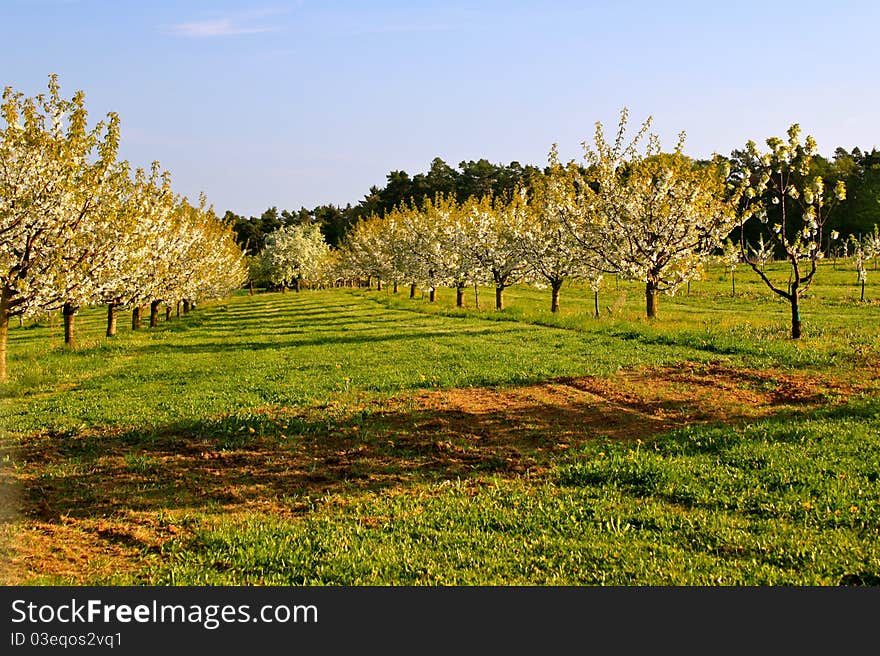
x: 339, y: 322
x: 305, y: 338
x: 283, y: 458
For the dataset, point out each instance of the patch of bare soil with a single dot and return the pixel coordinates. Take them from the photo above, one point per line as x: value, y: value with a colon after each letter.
x: 635, y: 404
x: 94, y: 504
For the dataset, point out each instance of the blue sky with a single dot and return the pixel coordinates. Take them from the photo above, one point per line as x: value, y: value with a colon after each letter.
x: 302, y: 103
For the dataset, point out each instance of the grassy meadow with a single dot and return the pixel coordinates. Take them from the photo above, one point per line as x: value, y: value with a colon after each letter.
x: 359, y: 437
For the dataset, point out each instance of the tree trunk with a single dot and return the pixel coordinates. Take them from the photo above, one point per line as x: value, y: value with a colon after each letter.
x: 178, y: 308
x: 412, y: 290
x: 394, y: 291
x: 69, y: 312
x: 378, y: 284
x: 862, y: 299
x: 4, y: 332
x: 112, y: 312
x: 298, y: 285
x: 167, y: 312
x: 596, y: 303
x: 499, y: 298
x: 476, y: 296
x: 733, y: 282
x: 154, y: 313
x: 652, y: 297
x: 459, y: 296
x: 251, y: 287
x: 186, y: 306
x: 136, y: 317
x: 432, y: 296
x: 795, y: 315
x: 555, y: 286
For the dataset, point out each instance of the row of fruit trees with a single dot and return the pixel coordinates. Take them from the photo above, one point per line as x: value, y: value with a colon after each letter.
x: 630, y: 210
x: 79, y: 226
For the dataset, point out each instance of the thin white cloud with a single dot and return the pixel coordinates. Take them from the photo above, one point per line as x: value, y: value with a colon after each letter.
x: 249, y: 21
x: 406, y: 29
x: 214, y: 28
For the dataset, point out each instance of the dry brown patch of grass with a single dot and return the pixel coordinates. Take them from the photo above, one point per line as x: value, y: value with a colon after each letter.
x: 93, y: 504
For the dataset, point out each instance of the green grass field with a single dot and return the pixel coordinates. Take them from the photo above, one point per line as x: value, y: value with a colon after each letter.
x: 357, y: 437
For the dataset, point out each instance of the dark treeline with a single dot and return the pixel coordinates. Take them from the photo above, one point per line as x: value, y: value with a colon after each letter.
x: 860, y: 170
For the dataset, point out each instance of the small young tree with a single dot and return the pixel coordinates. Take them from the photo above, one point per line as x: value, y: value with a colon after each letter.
x: 731, y: 257
x: 781, y: 178
x: 595, y: 282
x: 760, y: 254
x: 861, y: 273
x: 871, y: 245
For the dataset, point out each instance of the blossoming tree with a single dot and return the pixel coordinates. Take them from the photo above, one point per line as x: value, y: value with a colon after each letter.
x: 781, y: 177
x: 296, y: 254
x: 652, y: 216
x: 54, y: 180
x: 494, y: 239
x: 550, y: 249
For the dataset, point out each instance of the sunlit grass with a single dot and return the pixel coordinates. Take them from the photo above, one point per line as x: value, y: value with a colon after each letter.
x: 252, y: 387
x: 771, y: 504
